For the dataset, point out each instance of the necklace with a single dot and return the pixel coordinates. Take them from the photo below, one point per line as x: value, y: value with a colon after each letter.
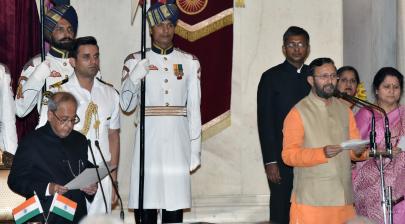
x: 80, y: 164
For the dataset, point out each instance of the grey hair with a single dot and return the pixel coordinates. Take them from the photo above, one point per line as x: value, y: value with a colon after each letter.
x: 60, y: 97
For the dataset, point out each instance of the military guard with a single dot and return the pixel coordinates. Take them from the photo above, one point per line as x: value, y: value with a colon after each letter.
x: 172, y: 122
x: 60, y: 27
x: 8, y: 134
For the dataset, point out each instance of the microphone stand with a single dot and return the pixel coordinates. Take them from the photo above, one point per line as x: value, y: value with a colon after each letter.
x: 112, y: 181
x: 98, y: 175
x: 386, y: 192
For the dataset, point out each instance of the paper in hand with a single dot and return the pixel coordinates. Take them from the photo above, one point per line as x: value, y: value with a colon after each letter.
x: 354, y: 144
x: 89, y: 177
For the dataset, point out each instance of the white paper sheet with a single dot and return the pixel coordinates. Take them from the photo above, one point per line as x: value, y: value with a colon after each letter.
x: 354, y: 144
x: 88, y: 177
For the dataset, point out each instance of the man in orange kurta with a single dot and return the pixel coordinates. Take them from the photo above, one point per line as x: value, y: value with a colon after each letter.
x: 313, y: 130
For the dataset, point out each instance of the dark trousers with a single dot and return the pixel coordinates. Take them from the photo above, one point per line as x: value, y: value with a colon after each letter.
x: 280, y: 195
x: 150, y: 216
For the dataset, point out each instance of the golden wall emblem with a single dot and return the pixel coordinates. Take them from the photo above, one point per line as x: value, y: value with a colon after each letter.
x: 191, y: 7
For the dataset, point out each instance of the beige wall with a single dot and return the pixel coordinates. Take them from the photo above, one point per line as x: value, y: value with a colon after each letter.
x: 370, y: 37
x: 231, y: 184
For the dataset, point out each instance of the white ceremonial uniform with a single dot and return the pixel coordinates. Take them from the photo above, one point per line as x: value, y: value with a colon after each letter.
x: 8, y: 133
x: 36, y: 72
x: 34, y: 75
x: 172, y: 143
x: 107, y: 101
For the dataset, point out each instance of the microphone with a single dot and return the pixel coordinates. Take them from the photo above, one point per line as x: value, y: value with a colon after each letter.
x: 98, y: 175
x: 114, y: 186
x: 371, y: 107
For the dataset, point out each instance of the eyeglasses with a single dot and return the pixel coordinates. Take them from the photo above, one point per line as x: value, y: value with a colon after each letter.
x: 295, y: 45
x: 326, y: 76
x: 65, y: 121
x: 348, y: 81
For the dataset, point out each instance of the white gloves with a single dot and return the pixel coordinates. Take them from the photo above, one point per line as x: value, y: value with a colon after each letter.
x: 140, y: 70
x: 43, y: 71
x: 195, y: 161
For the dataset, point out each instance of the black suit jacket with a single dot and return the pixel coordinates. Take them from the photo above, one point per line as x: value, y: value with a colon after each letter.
x: 41, y: 158
x: 280, y: 88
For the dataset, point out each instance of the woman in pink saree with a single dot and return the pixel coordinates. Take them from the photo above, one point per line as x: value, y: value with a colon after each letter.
x: 388, y: 89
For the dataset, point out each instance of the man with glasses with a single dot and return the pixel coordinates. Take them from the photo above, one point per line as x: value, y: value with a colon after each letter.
x: 50, y: 157
x: 98, y: 111
x: 280, y: 88
x: 313, y: 131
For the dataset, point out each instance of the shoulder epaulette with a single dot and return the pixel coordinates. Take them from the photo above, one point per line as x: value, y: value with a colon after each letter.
x: 104, y: 82
x: 132, y: 55
x: 31, y: 61
x: 184, y: 52
x: 108, y: 84
x: 6, y: 70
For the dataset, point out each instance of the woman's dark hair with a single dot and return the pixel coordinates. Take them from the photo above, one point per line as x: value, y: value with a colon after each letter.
x: 349, y: 68
x: 383, y: 73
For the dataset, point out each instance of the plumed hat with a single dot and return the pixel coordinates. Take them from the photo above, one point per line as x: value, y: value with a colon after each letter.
x: 162, y: 10
x: 57, y: 13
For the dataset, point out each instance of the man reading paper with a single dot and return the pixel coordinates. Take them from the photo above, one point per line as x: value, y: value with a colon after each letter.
x: 51, y: 156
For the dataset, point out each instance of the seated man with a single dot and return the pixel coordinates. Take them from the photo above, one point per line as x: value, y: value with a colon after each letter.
x: 50, y: 157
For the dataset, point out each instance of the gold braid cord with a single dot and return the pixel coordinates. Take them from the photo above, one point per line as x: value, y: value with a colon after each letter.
x: 205, y: 27
x: 92, y: 109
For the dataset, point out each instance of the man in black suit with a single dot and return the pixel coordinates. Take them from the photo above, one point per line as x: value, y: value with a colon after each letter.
x: 280, y: 88
x: 51, y: 156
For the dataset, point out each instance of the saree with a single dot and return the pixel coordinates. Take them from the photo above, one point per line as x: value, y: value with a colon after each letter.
x: 366, y: 175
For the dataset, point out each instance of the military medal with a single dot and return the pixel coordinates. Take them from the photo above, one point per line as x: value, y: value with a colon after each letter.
x: 178, y: 71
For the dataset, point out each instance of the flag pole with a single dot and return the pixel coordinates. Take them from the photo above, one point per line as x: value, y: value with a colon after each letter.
x: 42, y: 39
x: 142, y: 118
x: 42, y: 15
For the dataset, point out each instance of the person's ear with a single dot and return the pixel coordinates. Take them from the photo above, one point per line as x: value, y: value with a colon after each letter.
x: 310, y: 80
x: 72, y: 62
x: 283, y: 48
x: 50, y: 115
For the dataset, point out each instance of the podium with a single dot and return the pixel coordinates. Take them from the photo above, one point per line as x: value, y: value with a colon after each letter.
x: 9, y: 199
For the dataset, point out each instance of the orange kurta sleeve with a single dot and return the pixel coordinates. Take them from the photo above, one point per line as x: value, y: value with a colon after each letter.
x: 293, y: 153
x: 355, y: 134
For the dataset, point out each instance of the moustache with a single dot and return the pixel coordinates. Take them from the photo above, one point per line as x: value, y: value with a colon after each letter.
x: 329, y: 86
x: 66, y: 39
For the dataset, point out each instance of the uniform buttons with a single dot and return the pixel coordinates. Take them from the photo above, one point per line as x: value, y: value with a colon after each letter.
x: 166, y: 80
x: 167, y: 104
x: 165, y: 58
x: 166, y: 69
x: 64, y: 63
x: 166, y: 91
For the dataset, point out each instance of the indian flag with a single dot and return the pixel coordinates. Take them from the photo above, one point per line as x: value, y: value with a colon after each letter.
x: 28, y: 209
x: 63, y: 206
